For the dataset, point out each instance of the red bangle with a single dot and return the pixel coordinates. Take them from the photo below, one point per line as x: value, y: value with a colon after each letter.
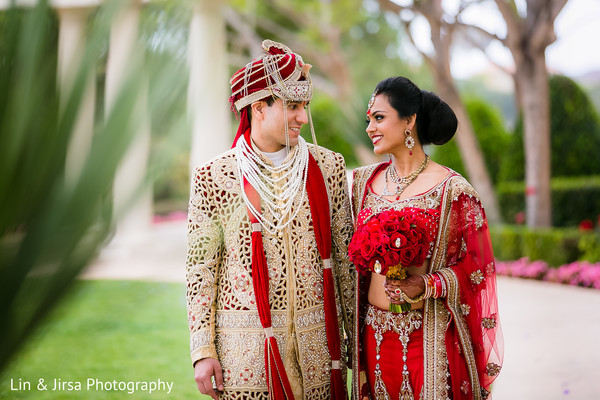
x: 438, y: 286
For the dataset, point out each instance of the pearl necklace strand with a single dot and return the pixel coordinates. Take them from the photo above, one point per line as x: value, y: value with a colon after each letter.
x: 277, y: 186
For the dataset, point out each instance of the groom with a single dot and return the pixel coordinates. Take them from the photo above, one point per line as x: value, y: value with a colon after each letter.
x: 269, y: 284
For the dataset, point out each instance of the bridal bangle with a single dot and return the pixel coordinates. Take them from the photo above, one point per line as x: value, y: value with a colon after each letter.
x: 435, y: 286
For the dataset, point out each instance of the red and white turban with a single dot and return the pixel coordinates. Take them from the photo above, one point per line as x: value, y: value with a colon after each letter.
x: 280, y: 72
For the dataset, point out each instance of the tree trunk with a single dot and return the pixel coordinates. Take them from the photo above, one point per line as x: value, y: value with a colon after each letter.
x: 532, y: 79
x: 527, y: 39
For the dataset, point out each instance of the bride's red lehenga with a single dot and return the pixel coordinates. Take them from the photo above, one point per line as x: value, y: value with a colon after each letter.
x: 452, y: 348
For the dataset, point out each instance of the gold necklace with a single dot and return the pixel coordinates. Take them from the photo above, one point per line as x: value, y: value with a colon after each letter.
x: 401, y: 183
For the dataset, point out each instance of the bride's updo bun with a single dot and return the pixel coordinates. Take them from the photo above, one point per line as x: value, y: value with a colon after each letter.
x: 436, y: 122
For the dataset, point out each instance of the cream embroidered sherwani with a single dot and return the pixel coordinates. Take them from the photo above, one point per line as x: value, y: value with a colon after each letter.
x: 222, y: 312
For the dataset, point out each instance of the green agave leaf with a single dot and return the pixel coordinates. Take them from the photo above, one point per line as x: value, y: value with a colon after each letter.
x: 51, y: 227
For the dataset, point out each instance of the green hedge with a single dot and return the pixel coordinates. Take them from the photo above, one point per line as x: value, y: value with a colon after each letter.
x: 573, y: 200
x: 555, y: 246
x: 590, y: 246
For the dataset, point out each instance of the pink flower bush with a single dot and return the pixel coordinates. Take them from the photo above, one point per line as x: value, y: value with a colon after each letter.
x: 174, y: 216
x: 579, y: 273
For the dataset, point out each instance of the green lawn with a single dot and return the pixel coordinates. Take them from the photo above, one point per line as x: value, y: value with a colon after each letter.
x: 109, y: 331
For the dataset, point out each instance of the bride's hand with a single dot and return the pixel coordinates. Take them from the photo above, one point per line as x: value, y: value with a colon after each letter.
x: 392, y: 289
x: 412, y: 286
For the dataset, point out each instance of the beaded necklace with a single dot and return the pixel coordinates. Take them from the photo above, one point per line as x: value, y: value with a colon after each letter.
x: 276, y: 185
x: 401, y: 183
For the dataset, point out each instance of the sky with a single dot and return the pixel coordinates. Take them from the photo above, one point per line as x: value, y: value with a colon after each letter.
x: 575, y: 52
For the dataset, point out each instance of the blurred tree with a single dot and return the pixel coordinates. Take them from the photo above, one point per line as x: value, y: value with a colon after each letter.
x: 574, y: 129
x: 503, y: 100
x: 529, y: 31
x: 442, y: 30
x: 512, y: 167
x: 489, y: 128
x: 574, y: 133
x: 329, y: 132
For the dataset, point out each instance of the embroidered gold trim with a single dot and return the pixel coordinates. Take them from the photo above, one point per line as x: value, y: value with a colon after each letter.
x: 489, y: 323
x: 490, y: 269
x: 435, y: 376
x: 436, y: 315
x: 464, y: 334
x: 492, y: 369
x: 477, y: 277
x: 485, y: 394
x: 464, y: 387
x: 465, y: 309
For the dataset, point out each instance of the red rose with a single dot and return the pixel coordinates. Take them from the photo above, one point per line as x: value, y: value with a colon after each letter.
x: 404, y: 225
x: 412, y: 236
x: 407, y: 255
x: 421, y: 253
x: 379, y: 239
x: 355, y: 254
x: 355, y: 247
x: 361, y: 262
x: 388, y: 215
x: 362, y: 267
x: 367, y: 249
x: 391, y: 258
x: 390, y: 226
x: 373, y: 225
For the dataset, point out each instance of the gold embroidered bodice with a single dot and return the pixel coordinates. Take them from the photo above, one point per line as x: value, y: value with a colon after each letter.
x: 222, y: 314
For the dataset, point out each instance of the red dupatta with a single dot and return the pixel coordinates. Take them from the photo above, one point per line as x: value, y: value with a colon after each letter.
x: 470, y: 258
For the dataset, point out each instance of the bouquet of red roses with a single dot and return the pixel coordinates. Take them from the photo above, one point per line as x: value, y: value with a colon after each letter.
x: 388, y: 242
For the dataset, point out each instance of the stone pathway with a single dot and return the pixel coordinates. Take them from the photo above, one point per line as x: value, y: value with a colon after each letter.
x: 551, y: 341
x: 551, y: 331
x: 159, y: 255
